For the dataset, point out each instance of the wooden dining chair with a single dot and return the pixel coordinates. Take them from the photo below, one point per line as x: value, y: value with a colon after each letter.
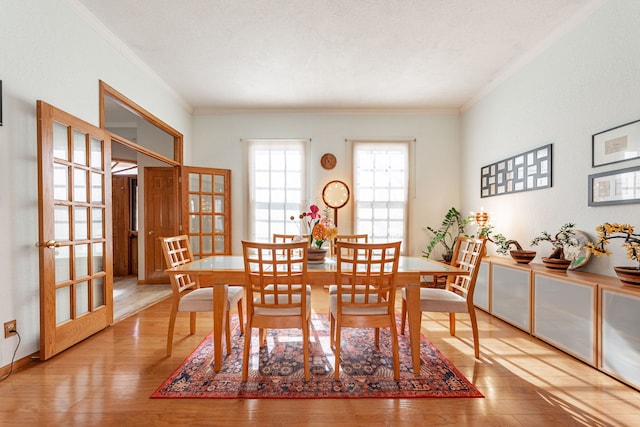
x: 188, y: 296
x: 353, y: 238
x: 287, y: 238
x: 280, y: 298
x: 457, y: 296
x: 364, y: 294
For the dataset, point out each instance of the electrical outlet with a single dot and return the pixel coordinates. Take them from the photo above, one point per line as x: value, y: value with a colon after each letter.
x: 10, y: 328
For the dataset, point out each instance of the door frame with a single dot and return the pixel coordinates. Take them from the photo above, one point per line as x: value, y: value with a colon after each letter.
x: 178, y: 142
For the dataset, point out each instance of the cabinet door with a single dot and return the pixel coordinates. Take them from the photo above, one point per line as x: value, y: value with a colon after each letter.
x: 620, y: 339
x: 481, y: 292
x: 564, y: 315
x: 511, y: 295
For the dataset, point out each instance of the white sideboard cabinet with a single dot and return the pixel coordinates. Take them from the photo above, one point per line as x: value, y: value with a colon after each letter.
x: 564, y: 314
x: 511, y: 294
x: 481, y: 292
x: 620, y: 334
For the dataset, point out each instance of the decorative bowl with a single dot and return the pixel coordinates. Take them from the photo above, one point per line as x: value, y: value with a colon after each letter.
x: 556, y: 263
x: 522, y: 256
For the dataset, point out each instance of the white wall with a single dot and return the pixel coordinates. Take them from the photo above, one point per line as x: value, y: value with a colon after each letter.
x: 50, y: 51
x: 586, y: 82
x: 217, y: 143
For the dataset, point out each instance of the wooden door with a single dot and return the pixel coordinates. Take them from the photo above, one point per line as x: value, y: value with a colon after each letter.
x: 206, y: 210
x: 121, y: 214
x: 74, y: 205
x: 160, y: 218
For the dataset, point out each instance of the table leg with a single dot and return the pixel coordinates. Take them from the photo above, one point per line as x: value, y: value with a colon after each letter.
x: 219, y: 319
x: 414, y: 314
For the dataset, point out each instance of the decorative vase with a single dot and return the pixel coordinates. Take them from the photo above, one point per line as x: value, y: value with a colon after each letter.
x: 556, y: 263
x: 316, y: 256
x: 628, y: 275
x: 522, y: 256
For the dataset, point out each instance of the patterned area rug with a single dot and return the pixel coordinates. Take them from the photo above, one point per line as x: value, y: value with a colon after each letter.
x: 276, y: 371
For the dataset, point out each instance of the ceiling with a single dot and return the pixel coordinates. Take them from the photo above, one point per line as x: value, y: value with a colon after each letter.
x: 335, y: 54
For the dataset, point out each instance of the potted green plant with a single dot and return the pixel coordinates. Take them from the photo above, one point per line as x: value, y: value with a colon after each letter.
x: 446, y: 235
x: 561, y: 239
x: 607, y: 232
x: 518, y: 254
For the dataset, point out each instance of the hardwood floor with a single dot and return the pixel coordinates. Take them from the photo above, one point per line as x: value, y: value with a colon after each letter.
x: 107, y: 379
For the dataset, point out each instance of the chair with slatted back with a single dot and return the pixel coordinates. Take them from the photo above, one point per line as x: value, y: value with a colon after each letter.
x: 457, y: 297
x: 353, y: 238
x: 279, y: 295
x: 365, y: 294
x: 287, y: 238
x: 188, y: 296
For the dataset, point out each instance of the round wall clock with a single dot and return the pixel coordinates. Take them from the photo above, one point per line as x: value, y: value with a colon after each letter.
x: 328, y: 161
x: 335, y: 195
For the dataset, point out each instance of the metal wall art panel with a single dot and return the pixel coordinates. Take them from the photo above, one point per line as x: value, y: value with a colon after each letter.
x: 527, y: 171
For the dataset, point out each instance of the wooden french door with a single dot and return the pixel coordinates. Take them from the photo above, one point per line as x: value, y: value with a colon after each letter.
x: 74, y: 204
x: 206, y: 210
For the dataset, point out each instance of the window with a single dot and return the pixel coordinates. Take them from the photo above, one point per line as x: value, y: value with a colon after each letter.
x: 381, y: 180
x: 277, y: 186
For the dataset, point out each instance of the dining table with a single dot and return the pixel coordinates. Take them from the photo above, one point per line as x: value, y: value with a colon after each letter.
x: 220, y: 270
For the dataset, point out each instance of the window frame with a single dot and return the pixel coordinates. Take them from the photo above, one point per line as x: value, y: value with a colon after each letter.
x: 255, y: 232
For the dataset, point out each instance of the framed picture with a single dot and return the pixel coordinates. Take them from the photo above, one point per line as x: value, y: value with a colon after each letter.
x: 616, y: 145
x: 618, y: 187
x: 526, y: 171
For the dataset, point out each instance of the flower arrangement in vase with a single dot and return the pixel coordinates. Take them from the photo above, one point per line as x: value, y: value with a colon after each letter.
x: 561, y: 239
x: 607, y: 232
x: 321, y: 230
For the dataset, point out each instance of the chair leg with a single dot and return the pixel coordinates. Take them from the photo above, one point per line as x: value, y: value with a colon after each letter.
x: 227, y: 331
x: 404, y: 316
x: 377, y: 337
x: 240, y: 317
x: 474, y: 328
x: 247, y: 351
x: 452, y: 323
x: 336, y: 351
x: 192, y: 322
x: 172, y: 324
x: 394, y: 347
x: 305, y: 349
x: 332, y: 331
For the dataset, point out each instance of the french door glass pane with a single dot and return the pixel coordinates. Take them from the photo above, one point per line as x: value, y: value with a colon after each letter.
x: 81, y: 258
x: 219, y: 184
x: 82, y: 298
x: 207, y: 203
x: 60, y: 141
x: 194, y: 182
x: 62, y: 223
x: 97, y: 223
x: 96, y: 154
x: 79, y: 148
x: 194, y: 203
x: 98, y: 292
x: 97, y: 256
x: 96, y: 187
x: 63, y: 264
x: 60, y: 182
x: 194, y: 224
x: 80, y: 185
x: 206, y: 224
x: 63, y: 304
x: 80, y: 224
x: 207, y: 183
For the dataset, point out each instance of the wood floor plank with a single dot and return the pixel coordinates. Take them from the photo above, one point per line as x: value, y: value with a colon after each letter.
x: 107, y: 379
